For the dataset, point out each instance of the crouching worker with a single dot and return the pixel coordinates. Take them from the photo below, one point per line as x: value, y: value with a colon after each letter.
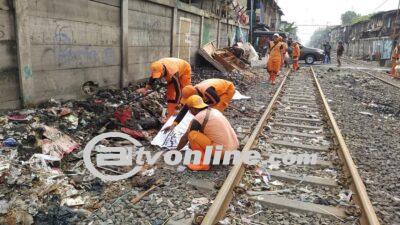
x: 177, y: 73
x: 217, y: 93
x: 208, y: 128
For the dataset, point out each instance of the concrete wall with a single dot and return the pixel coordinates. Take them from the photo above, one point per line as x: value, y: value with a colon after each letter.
x: 9, y: 84
x: 66, y: 43
x: 73, y: 42
x: 149, y: 39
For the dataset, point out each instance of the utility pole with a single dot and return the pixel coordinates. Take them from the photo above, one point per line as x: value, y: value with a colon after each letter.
x: 251, y: 20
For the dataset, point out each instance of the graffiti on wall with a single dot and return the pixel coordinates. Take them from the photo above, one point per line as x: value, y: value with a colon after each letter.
x: 69, y: 54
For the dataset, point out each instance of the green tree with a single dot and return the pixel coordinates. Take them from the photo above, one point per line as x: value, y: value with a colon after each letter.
x: 319, y: 37
x: 348, y: 17
x: 289, y: 28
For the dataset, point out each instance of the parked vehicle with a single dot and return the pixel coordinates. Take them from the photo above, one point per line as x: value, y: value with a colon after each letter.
x: 262, y: 37
x: 311, y: 55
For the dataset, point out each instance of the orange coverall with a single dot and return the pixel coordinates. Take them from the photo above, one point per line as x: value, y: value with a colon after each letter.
x: 296, y: 55
x: 275, y: 59
x: 395, y: 57
x: 223, y: 88
x: 178, y: 75
x: 217, y: 131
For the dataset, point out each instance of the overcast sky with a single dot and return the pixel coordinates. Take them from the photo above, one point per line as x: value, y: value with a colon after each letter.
x: 327, y: 12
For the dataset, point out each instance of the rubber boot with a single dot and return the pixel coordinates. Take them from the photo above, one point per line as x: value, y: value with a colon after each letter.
x: 201, y: 166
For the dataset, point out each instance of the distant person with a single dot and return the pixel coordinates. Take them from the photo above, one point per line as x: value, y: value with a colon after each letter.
x: 208, y: 128
x: 275, y: 58
x: 395, y: 57
x: 327, y: 53
x: 340, y: 51
x: 296, y: 55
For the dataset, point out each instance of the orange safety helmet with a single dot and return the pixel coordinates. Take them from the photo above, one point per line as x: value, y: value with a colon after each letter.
x: 187, y: 91
x: 157, y: 69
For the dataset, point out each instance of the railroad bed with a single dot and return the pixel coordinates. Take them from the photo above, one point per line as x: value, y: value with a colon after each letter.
x: 379, y: 75
x: 307, y: 175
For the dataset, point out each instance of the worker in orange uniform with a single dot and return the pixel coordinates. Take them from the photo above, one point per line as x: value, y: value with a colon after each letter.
x: 217, y: 93
x: 275, y: 58
x: 208, y: 128
x: 296, y: 55
x: 395, y: 57
x: 284, y: 50
x: 177, y: 73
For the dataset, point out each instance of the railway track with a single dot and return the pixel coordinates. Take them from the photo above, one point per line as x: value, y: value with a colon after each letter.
x: 385, y: 78
x: 299, y: 122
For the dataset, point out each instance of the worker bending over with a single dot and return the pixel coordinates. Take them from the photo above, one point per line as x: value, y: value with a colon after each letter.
x: 217, y: 93
x: 208, y: 128
x: 177, y: 73
x: 395, y: 57
x: 296, y: 55
x: 275, y: 58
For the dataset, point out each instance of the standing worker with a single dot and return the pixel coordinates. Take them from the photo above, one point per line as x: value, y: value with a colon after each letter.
x: 395, y: 57
x: 275, y: 58
x: 208, y: 128
x: 177, y: 73
x: 339, y: 52
x: 296, y: 55
x: 217, y: 93
x: 327, y: 53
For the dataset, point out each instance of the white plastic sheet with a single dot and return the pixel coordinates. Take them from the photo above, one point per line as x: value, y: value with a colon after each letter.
x: 171, y: 139
x: 239, y: 96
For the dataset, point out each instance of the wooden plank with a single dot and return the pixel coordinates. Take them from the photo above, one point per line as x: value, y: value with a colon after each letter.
x: 302, y: 108
x: 297, y: 119
x: 124, y: 43
x: 218, y: 33
x: 301, y: 98
x: 289, y: 94
x: 306, y: 100
x: 201, y: 31
x: 24, y: 52
x: 297, y: 126
x: 297, y: 112
x: 304, y: 179
x: 298, y: 134
x: 298, y: 206
x: 302, y: 146
x: 300, y: 103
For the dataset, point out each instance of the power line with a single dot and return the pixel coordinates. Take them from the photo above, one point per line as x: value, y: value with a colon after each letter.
x: 384, y: 2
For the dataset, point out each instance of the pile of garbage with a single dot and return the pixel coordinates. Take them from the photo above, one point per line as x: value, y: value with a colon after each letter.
x: 42, y: 176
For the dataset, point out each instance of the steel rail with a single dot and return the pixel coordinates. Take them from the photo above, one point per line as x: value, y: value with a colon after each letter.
x: 373, y: 75
x: 368, y: 215
x: 225, y: 194
x: 382, y: 79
